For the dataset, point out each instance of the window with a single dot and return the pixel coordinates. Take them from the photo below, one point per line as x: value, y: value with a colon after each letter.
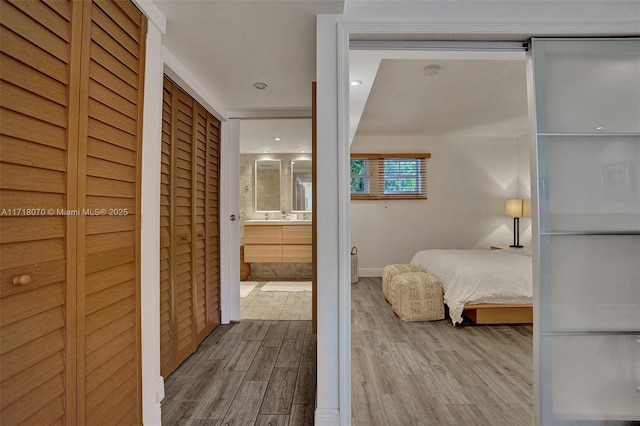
x: 388, y: 176
x: 360, y: 182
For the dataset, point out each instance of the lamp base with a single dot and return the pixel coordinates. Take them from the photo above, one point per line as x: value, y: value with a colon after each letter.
x: 516, y: 246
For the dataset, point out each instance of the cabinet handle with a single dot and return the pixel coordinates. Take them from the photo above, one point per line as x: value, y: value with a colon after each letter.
x: 201, y: 235
x: 21, y: 279
x: 184, y: 238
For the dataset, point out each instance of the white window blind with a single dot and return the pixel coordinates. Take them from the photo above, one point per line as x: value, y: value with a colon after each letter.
x: 389, y: 176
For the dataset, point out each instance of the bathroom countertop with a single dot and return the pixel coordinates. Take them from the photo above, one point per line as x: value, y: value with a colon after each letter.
x: 277, y: 222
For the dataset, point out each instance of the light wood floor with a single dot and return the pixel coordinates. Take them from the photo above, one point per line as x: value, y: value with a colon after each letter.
x: 247, y: 373
x: 276, y: 305
x: 430, y: 373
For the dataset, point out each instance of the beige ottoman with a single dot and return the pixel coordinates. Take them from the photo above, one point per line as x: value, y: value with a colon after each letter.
x: 418, y: 297
x: 391, y: 271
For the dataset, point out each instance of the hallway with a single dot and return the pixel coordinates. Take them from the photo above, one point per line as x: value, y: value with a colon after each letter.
x: 246, y: 373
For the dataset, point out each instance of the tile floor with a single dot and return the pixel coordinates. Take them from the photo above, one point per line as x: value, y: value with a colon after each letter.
x: 276, y: 305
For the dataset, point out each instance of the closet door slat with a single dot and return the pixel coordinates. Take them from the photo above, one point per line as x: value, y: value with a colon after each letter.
x: 109, y: 190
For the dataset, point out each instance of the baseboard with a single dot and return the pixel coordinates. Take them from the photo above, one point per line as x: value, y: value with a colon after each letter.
x: 327, y: 417
x: 159, y: 389
x: 370, y: 272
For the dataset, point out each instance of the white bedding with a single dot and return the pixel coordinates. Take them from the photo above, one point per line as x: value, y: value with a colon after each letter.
x: 479, y: 276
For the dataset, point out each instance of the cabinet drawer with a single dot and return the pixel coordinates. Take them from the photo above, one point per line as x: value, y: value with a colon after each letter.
x: 269, y: 253
x: 296, y: 253
x: 263, y: 234
x: 592, y: 377
x: 296, y: 234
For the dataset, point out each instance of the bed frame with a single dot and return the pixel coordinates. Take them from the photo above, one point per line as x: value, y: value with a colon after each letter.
x: 493, y: 313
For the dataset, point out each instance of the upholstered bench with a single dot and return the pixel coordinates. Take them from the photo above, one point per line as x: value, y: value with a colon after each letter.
x: 391, y: 271
x: 417, y: 296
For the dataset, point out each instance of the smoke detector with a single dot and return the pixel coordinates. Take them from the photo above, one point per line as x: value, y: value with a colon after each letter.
x: 260, y: 86
x: 431, y: 70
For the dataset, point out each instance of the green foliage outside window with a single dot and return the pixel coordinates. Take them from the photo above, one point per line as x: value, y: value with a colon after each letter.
x: 359, y: 176
x: 401, y: 176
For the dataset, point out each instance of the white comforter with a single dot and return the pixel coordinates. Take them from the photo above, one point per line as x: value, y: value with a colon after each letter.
x: 479, y: 276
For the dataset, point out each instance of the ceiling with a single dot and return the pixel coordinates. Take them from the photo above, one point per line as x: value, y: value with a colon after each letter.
x: 259, y: 136
x: 230, y: 45
x: 474, y: 97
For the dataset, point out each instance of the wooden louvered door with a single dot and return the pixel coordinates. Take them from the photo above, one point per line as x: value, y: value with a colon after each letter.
x: 182, y: 253
x: 109, y: 234
x: 37, y: 171
x: 212, y: 209
x: 189, y: 253
x: 71, y: 104
x: 166, y: 214
x: 198, y: 218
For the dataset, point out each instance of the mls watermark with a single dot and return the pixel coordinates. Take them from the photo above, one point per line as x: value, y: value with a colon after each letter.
x: 64, y: 212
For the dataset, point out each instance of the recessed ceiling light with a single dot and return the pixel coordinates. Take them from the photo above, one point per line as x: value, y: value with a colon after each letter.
x: 276, y: 138
x: 260, y: 86
x: 599, y: 127
x: 356, y: 83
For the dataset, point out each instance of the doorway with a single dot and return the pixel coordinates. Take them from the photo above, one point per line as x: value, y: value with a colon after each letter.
x: 275, y: 205
x: 469, y: 110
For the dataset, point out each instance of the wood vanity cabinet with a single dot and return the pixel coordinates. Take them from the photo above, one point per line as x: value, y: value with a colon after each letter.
x: 277, y: 243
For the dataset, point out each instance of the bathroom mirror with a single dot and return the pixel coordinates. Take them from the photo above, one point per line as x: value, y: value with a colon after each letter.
x: 267, y: 186
x: 301, y: 186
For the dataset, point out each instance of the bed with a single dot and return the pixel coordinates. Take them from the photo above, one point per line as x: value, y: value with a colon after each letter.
x: 488, y: 286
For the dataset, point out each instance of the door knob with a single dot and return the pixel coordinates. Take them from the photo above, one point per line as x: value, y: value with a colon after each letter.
x: 232, y: 217
x: 21, y: 279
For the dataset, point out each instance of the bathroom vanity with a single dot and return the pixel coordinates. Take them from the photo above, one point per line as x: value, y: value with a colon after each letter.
x: 277, y: 241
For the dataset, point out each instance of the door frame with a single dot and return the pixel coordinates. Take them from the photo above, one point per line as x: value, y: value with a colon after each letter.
x: 334, y: 34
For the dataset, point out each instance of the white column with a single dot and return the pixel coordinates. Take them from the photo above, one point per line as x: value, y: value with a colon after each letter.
x: 152, y: 381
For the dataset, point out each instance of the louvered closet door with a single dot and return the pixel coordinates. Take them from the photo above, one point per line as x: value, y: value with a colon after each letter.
x: 189, y: 227
x: 213, y: 222
x: 199, y: 161
x: 37, y: 171
x: 166, y: 193
x: 109, y: 378
x: 71, y: 114
x: 182, y: 252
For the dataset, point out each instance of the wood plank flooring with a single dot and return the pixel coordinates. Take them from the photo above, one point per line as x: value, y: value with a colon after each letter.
x: 430, y: 373
x: 247, y: 373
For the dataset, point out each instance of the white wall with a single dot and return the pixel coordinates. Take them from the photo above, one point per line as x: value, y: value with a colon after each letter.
x: 468, y: 180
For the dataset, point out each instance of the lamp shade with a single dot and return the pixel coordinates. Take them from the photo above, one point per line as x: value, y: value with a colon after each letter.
x: 526, y: 207
x: 514, y: 207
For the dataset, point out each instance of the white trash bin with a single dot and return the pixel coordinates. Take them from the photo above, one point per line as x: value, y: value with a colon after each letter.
x: 354, y: 265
